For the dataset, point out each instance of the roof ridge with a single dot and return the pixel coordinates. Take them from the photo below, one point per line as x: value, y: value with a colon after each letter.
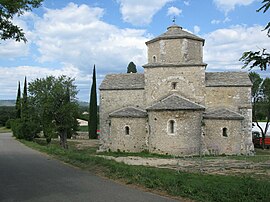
x: 175, y: 105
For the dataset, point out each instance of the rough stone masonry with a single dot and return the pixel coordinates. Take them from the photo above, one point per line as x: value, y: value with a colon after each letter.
x: 175, y: 107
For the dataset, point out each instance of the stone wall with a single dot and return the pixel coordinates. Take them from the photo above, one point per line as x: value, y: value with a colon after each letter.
x: 111, y: 100
x: 134, y: 141
x: 177, y: 51
x: 185, y: 140
x: 190, y: 82
x: 213, y: 136
x: 246, y: 144
x: 229, y: 97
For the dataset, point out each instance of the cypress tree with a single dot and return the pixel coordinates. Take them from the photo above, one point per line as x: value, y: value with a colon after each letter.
x: 131, y: 68
x: 18, y: 105
x: 24, y: 113
x: 92, y: 122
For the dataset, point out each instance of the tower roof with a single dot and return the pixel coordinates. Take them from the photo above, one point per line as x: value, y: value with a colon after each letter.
x: 175, y: 32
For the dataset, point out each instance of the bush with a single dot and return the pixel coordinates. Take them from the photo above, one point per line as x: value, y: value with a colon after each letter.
x: 24, y: 129
x: 8, y: 123
x: 6, y: 113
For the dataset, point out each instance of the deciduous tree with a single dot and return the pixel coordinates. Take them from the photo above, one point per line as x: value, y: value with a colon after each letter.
x: 260, y: 98
x: 259, y: 58
x: 9, y: 9
x: 54, y: 103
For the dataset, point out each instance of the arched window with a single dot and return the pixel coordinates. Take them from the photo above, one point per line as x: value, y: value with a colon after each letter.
x: 154, y: 59
x: 224, y: 132
x: 127, y: 130
x: 171, y: 126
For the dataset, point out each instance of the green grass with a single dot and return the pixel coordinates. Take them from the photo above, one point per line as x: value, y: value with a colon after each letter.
x: 201, y: 187
x: 144, y: 154
x: 83, y: 128
x: 4, y: 130
x: 261, y: 156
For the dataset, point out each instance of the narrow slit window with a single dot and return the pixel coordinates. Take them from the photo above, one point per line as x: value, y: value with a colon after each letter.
x: 225, y: 132
x: 171, y: 126
x: 154, y: 59
x: 127, y: 130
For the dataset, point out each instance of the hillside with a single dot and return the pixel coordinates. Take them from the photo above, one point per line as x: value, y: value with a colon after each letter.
x: 7, y: 102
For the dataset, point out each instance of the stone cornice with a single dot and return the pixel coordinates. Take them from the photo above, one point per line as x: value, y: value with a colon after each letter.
x: 156, y: 65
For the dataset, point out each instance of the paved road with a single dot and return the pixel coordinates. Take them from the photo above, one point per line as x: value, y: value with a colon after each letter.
x: 27, y: 175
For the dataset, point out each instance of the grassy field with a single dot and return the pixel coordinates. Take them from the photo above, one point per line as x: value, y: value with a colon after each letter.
x: 196, y: 186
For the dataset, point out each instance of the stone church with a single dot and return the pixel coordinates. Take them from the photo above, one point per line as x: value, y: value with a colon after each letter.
x: 175, y: 107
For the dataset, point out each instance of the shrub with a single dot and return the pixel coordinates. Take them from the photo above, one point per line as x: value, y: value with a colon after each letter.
x: 8, y: 123
x: 23, y: 129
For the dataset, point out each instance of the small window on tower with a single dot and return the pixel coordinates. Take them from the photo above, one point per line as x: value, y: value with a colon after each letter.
x: 174, y: 85
x: 225, y: 132
x: 171, y: 127
x: 127, y: 130
x: 154, y: 59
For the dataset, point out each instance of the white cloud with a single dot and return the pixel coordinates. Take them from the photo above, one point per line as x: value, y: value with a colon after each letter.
x: 227, y: 19
x: 216, y: 22
x: 224, y: 47
x: 196, y: 29
x: 72, y: 40
x: 77, y: 35
x: 173, y: 11
x: 12, y: 49
x: 15, y: 74
x: 140, y: 12
x: 187, y: 3
x: 228, y: 5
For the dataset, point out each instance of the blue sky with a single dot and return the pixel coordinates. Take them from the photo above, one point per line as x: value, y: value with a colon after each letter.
x: 69, y: 37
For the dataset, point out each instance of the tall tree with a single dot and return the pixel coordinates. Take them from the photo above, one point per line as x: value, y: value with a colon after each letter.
x: 260, y: 97
x: 93, y: 119
x: 260, y: 58
x: 18, y: 105
x: 25, y: 127
x: 25, y: 111
x: 9, y: 9
x: 131, y: 68
x: 54, y: 101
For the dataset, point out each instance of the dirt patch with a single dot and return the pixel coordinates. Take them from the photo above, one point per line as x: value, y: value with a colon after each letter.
x: 82, y: 144
x: 218, y: 165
